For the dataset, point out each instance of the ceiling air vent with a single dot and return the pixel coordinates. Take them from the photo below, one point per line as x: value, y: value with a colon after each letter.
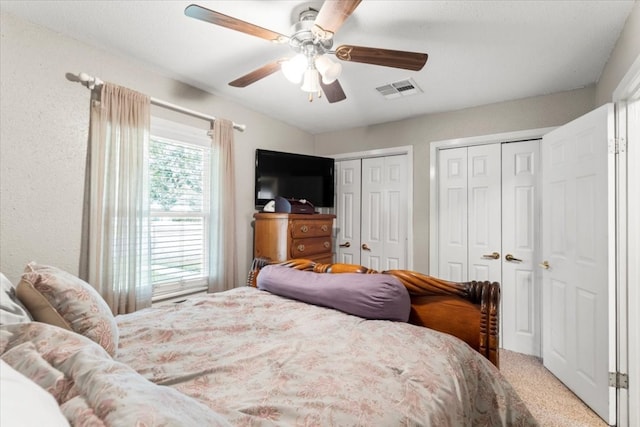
x: 398, y: 89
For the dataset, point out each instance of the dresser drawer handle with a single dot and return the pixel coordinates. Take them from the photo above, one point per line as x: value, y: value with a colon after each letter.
x: 324, y: 227
x: 304, y: 228
x: 327, y: 244
x: 300, y: 248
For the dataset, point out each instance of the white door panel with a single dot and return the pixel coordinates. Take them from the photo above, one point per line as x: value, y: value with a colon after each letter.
x: 452, y: 214
x: 395, y: 208
x: 521, y: 324
x: 348, y: 215
x: 575, y: 243
x: 484, y: 212
x: 487, y: 208
x: 384, y: 207
x: 372, y: 212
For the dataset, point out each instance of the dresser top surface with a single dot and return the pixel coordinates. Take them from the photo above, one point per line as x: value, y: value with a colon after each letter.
x: 269, y: 215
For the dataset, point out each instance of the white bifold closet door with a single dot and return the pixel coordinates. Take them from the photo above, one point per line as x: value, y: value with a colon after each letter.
x: 372, y: 208
x: 488, y: 229
x: 521, y: 243
x: 348, y: 195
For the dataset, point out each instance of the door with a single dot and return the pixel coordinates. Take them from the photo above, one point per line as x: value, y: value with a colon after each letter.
x: 384, y: 213
x: 521, y: 278
x: 578, y: 261
x: 469, y: 213
x: 348, y: 216
x: 485, y: 215
x: 372, y: 211
x: 488, y: 224
x: 452, y: 214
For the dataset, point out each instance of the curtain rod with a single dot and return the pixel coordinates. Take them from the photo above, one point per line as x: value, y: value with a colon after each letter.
x: 92, y: 82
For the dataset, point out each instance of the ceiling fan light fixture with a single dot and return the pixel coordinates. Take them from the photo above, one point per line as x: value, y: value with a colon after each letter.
x: 294, y: 68
x: 328, y: 69
x: 311, y: 81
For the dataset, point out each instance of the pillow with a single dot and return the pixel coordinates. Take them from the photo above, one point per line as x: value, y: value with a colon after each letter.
x: 25, y: 403
x: 11, y: 310
x: 59, y: 298
x: 371, y: 296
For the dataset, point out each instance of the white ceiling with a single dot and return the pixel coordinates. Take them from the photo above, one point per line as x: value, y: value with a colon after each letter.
x: 480, y: 51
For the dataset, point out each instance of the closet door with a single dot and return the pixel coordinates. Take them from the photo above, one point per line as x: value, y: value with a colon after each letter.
x: 484, y: 213
x: 488, y: 230
x: 372, y: 206
x: 348, y: 214
x: 452, y: 214
x: 469, y: 213
x: 521, y: 278
x: 384, y: 212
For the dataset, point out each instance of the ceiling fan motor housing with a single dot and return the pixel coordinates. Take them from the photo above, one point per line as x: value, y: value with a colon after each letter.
x: 302, y: 39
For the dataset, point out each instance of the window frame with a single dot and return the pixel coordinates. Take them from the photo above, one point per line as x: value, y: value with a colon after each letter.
x: 189, y: 136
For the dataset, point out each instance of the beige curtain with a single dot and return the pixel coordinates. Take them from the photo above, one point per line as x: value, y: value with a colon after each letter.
x: 117, y: 246
x: 223, y: 209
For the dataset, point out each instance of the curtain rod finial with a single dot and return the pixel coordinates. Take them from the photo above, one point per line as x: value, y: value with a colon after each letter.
x: 90, y: 81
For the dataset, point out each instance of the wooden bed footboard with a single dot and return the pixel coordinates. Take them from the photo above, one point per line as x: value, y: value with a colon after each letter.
x: 467, y: 310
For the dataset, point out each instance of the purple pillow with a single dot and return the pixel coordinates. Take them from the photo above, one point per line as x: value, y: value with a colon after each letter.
x: 371, y: 296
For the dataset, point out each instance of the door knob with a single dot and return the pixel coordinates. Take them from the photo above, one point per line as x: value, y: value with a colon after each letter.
x: 494, y: 255
x: 545, y: 265
x: 510, y: 257
x: 365, y: 247
x: 345, y: 245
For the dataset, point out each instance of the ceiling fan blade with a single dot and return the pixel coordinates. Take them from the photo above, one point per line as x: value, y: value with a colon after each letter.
x: 333, y: 92
x: 256, y: 75
x: 331, y: 16
x: 217, y: 18
x: 389, y: 58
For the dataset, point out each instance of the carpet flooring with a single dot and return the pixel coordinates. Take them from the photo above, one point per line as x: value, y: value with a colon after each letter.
x: 549, y: 401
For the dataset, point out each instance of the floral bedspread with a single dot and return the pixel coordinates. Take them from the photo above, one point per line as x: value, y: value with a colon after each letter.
x: 91, y: 388
x: 260, y: 359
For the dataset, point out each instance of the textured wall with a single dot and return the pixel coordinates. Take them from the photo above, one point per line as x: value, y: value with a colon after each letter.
x: 43, y: 139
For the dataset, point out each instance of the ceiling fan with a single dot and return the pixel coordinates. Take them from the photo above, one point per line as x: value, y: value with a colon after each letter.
x: 312, y: 39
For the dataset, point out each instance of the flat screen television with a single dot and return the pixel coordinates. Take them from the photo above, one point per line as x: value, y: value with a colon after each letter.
x: 293, y: 176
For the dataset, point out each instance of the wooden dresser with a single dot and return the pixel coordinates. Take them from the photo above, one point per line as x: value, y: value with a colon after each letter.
x: 282, y: 236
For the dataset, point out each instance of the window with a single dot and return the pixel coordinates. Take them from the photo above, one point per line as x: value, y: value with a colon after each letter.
x: 179, y: 171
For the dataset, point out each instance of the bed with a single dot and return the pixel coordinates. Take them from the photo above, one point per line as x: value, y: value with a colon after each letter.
x: 285, y: 350
x: 475, y: 304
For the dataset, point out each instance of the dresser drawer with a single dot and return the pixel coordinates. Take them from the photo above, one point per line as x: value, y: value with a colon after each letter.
x: 310, y: 228
x: 303, y: 248
x: 283, y: 236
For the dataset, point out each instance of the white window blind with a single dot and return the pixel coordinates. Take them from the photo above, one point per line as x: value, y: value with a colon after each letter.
x: 179, y: 187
